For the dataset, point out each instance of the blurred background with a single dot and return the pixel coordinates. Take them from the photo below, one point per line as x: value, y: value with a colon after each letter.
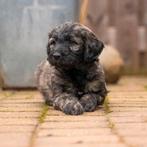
x: 24, y: 27
x: 123, y: 24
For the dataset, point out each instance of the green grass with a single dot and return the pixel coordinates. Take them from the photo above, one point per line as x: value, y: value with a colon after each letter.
x: 43, y: 113
x: 110, y: 124
x: 106, y: 106
x: 145, y: 87
x: 9, y: 94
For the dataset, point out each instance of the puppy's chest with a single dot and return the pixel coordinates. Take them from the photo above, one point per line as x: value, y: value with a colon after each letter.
x: 78, y: 78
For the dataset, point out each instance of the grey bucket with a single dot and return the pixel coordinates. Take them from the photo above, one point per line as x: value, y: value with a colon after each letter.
x: 24, y: 27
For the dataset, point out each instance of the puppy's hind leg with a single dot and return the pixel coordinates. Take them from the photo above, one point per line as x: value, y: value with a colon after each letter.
x: 46, y: 96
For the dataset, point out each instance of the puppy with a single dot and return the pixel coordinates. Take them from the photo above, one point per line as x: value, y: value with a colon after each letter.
x: 72, y: 79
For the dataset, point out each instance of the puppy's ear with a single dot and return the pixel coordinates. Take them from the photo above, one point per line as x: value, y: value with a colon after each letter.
x: 48, y: 44
x: 93, y: 47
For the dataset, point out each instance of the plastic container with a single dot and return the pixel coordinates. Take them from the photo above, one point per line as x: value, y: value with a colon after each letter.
x: 24, y: 27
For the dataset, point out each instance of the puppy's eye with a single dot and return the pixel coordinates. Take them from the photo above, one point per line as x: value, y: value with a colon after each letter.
x: 52, y: 42
x: 73, y: 42
x: 74, y: 48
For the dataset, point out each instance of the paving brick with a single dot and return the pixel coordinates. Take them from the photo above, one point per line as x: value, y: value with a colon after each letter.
x: 80, y: 144
x: 124, y: 125
x: 74, y: 132
x: 19, y: 112
x: 14, y: 140
x: 82, y: 124
x: 73, y: 140
x: 79, y: 118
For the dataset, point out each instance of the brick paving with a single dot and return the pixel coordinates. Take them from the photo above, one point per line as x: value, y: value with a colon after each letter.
x: 121, y: 122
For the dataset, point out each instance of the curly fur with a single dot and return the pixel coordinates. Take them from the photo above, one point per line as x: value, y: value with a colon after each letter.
x: 72, y: 79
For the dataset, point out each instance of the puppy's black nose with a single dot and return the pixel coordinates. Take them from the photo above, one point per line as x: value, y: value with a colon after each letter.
x: 56, y: 55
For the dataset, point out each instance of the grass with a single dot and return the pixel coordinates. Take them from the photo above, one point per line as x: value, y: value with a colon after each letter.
x: 41, y: 120
x: 43, y: 113
x: 111, y: 124
x: 106, y: 106
x: 145, y: 87
x: 107, y: 111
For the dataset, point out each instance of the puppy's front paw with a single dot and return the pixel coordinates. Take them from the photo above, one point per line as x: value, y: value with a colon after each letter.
x: 73, y: 108
x: 89, y: 103
x: 101, y: 100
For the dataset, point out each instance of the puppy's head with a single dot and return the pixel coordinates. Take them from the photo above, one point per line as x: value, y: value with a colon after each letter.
x: 72, y: 44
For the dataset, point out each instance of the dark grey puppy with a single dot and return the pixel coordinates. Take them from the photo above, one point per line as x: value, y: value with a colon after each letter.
x: 72, y: 79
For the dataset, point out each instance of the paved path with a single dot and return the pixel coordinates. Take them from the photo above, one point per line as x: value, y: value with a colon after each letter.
x: 121, y: 122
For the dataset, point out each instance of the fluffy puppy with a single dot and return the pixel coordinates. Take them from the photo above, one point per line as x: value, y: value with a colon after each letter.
x: 72, y: 79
